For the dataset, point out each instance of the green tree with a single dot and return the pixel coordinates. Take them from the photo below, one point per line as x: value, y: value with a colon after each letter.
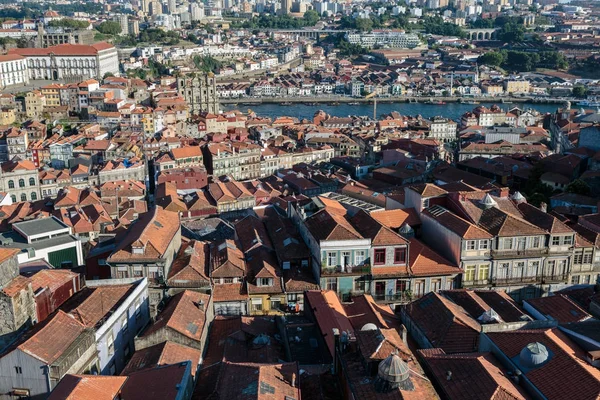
x: 493, y: 58
x: 68, y: 23
x: 578, y: 187
x: 109, y: 28
x: 580, y: 91
x: 108, y: 75
x: 192, y: 38
x: 311, y: 17
x: 363, y: 24
x: 207, y: 63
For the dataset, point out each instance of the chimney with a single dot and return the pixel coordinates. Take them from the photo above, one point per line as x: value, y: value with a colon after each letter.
x: 544, y: 207
x: 449, y: 375
x: 293, y: 379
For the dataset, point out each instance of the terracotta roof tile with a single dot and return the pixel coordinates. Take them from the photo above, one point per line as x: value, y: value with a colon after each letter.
x: 475, y: 376
x: 185, y: 313
x: 162, y: 354
x: 566, y: 367
x: 445, y: 324
x: 394, y: 219
x: 88, y: 387
x: 559, y: 307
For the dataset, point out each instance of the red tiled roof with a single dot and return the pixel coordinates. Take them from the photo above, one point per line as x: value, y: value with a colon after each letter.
x: 49, y: 340
x: 162, y: 354
x: 394, y: 219
x: 164, y: 382
x: 423, y: 261
x: 329, y: 313
x: 444, y: 324
x: 566, y: 367
x: 559, y: 307
x: 185, y: 313
x: 475, y: 376
x: 88, y: 387
x: 92, y: 304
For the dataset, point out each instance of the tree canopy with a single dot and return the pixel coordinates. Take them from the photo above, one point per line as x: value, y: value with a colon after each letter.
x: 520, y: 61
x: 109, y: 28
x: 69, y: 23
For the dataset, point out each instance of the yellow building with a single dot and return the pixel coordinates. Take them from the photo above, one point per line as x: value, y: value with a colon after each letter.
x: 52, y: 94
x: 7, y: 116
x: 265, y: 285
x: 34, y: 104
x: 492, y: 90
x: 515, y: 87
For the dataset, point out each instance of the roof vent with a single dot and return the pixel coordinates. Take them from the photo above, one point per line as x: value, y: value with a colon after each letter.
x: 369, y: 327
x: 534, y: 355
x: 406, y: 231
x: 490, y: 317
x: 519, y: 198
x: 393, y: 373
x: 488, y: 202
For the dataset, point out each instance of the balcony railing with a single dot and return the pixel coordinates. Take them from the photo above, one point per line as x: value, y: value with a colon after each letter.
x: 483, y: 282
x: 516, y: 280
x: 403, y: 297
x: 348, y: 269
x: 519, y: 253
x: 555, y: 278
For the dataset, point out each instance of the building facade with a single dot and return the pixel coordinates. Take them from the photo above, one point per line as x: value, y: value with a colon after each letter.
x: 200, y: 92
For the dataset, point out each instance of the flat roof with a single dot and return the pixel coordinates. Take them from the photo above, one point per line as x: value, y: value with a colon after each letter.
x: 19, y: 242
x: 39, y: 226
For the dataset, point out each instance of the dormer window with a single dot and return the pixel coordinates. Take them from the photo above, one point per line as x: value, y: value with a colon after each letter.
x: 264, y: 282
x: 137, y: 249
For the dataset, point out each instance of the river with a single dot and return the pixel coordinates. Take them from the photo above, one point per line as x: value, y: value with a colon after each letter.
x: 450, y: 110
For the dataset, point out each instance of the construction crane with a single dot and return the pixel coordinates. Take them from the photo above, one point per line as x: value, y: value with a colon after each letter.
x: 374, y: 97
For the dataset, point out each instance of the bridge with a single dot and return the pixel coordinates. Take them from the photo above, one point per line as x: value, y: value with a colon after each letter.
x: 482, y: 34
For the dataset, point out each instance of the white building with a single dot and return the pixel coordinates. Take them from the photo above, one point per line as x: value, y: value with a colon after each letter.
x: 384, y: 38
x: 70, y: 61
x: 13, y: 70
x: 442, y: 129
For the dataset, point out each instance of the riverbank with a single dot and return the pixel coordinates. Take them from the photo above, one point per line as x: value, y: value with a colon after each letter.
x: 397, y: 99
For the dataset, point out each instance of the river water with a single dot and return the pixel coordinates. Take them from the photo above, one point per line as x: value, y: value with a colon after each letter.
x: 450, y: 110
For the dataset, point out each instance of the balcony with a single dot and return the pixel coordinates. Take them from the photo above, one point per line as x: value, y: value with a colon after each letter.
x: 517, y: 280
x: 346, y: 270
x: 476, y: 283
x: 555, y: 278
x: 402, y: 297
x: 499, y: 254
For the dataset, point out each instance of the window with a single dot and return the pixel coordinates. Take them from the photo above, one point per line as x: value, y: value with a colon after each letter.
x: 346, y: 258
x: 33, y: 196
x: 483, y: 273
x: 13, y: 198
x: 533, y: 266
x: 331, y: 284
x: 379, y: 256
x: 23, y: 197
x: 587, y: 258
x: 292, y: 297
x: 332, y: 259
x: 400, y: 286
x: 521, y: 243
x: 577, y: 258
x: 359, y: 257
x: 31, y: 181
x: 585, y: 279
x: 555, y: 240
x: 470, y: 273
x: 436, y: 285
x: 419, y: 288
x: 568, y: 240
x: 256, y: 304
x: 425, y: 203
x: 575, y: 280
x: 11, y: 184
x: 471, y: 245
x: 518, y: 269
x: 264, y: 282
x: 400, y: 255
x: 508, y: 243
x: 275, y: 304
x: 21, y: 183
x: 227, y: 280
x: 110, y: 344
x: 124, y: 323
x: 483, y: 245
x: 18, y: 370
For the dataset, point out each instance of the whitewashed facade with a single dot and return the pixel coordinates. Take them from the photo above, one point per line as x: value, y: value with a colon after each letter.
x: 13, y: 70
